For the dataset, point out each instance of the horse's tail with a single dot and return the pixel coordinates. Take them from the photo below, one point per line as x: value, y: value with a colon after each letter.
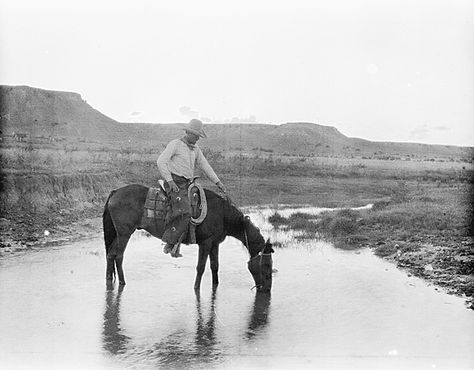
x: 109, y: 228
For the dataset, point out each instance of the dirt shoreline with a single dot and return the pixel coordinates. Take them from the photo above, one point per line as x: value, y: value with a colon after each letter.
x: 19, y: 233
x: 447, y: 263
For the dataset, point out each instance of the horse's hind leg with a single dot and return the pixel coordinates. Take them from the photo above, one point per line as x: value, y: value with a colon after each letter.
x: 121, y: 245
x: 110, y: 271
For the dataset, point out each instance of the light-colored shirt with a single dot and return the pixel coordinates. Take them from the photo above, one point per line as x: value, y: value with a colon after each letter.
x: 180, y: 159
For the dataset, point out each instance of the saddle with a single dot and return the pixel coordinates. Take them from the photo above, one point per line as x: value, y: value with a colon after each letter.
x: 157, y: 205
x: 161, y: 211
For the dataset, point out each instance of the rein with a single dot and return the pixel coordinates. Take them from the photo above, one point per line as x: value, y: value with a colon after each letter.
x: 259, y: 254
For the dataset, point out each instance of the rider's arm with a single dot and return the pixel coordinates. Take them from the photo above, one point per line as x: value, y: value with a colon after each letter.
x: 204, y: 165
x: 164, y: 159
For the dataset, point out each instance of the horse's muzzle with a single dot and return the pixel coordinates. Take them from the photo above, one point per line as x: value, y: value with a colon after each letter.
x: 261, y: 270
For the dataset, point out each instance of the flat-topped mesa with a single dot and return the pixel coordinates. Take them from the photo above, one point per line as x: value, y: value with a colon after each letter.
x: 52, y: 114
x: 62, y: 115
x: 27, y: 92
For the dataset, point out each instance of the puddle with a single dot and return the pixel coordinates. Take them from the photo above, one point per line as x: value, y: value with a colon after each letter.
x: 328, y: 308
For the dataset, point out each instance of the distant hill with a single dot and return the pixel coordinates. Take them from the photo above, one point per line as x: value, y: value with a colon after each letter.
x: 66, y: 116
x: 38, y: 112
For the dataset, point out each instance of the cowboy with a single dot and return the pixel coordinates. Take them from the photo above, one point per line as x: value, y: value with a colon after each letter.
x: 176, y: 165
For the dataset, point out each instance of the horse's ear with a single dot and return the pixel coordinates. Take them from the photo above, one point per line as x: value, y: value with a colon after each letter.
x: 269, y: 246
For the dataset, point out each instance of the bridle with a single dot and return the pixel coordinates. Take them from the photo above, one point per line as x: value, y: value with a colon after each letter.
x: 258, y: 255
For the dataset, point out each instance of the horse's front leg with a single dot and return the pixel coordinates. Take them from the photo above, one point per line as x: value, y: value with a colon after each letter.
x: 204, y: 249
x: 214, y: 257
x: 119, y: 265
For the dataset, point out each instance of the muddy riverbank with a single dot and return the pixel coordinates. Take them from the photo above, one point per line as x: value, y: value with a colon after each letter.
x: 23, y: 231
x: 448, y: 263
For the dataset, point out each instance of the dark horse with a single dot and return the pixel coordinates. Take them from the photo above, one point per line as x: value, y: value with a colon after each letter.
x: 123, y: 215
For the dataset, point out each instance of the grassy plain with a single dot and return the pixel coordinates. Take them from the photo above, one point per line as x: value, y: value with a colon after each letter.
x: 263, y: 178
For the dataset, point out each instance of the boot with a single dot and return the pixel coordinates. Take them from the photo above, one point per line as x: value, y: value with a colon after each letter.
x: 192, y: 234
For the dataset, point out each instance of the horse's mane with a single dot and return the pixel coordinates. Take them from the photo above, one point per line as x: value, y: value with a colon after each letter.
x: 232, y: 213
x: 211, y: 195
x: 233, y: 218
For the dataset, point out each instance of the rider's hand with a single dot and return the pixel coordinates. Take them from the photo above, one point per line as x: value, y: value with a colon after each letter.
x: 173, y: 186
x: 221, y: 186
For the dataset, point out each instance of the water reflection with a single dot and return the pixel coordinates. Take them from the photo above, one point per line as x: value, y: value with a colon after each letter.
x: 179, y: 350
x: 184, y: 346
x: 259, y: 314
x: 176, y: 350
x: 205, y: 338
x: 112, y: 338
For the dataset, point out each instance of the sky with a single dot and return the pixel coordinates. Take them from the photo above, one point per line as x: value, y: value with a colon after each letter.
x: 380, y: 70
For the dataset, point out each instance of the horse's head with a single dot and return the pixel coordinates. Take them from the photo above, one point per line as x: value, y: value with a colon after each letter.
x: 260, y: 264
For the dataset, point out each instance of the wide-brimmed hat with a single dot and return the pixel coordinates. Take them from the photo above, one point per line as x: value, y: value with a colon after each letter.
x: 195, y: 126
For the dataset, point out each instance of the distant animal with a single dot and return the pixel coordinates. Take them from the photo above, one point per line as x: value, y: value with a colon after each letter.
x: 19, y: 136
x: 123, y: 212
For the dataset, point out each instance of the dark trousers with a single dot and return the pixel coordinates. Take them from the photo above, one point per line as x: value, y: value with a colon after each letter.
x: 177, y: 221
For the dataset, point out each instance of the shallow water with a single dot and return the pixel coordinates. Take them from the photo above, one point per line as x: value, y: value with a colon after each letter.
x: 328, y: 309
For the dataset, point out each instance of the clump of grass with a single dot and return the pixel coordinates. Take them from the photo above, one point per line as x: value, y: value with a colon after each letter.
x: 302, y: 216
x: 300, y: 221
x: 407, y: 248
x: 340, y: 223
x: 297, y: 221
x: 348, y: 213
x: 277, y: 244
x: 277, y: 220
x: 399, y: 193
x: 385, y: 250
x: 379, y: 205
x: 413, y: 217
x: 342, y: 226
